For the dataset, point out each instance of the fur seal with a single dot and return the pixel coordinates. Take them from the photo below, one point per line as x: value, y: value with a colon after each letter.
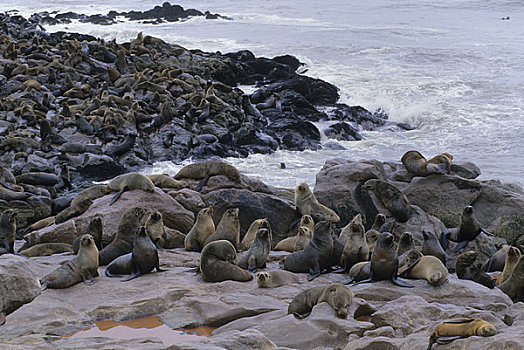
x: 384, y: 262
x: 468, y: 230
x: 218, y: 263
x: 297, y: 242
x: 344, y: 234
x: 228, y: 228
x: 276, y: 278
x: 497, y: 260
x: 514, y: 285
x: 202, y: 229
x: 142, y: 260
x: 10, y: 195
x: 429, y: 268
x: 371, y: 239
x: 390, y: 199
x: 46, y: 249
x: 356, y: 249
x: 445, y: 159
x: 166, y: 181
x: 307, y: 204
x: 83, y: 267
x: 512, y: 257
x: 467, y: 270
x: 408, y: 259
x: 155, y: 227
x: 251, y: 233
x: 128, y: 182
x: 338, y: 296
x: 256, y: 256
x: 73, y: 210
x: 405, y: 243
x: 96, y: 229
x: 204, y: 170
x: 8, y: 230
x: 123, y: 241
x: 316, y: 256
x: 431, y: 246
x: 38, y: 179
x: 378, y: 222
x: 460, y: 328
x: 417, y: 165
x: 303, y: 302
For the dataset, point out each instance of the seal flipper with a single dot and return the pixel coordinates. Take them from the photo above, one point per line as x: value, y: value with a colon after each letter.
x: 202, y: 183
x: 444, y: 240
x: 400, y: 283
x: 158, y: 269
x: 88, y: 278
x: 294, y: 223
x: 447, y: 340
x: 252, y: 264
x: 486, y: 232
x: 109, y: 274
x: 314, y: 271
x: 460, y: 246
x: 115, y: 198
x: 301, y: 316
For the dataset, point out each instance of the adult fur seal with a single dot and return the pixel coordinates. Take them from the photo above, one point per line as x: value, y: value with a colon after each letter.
x: 38, y: 179
x: 307, y: 204
x: 389, y: 199
x: 431, y: 246
x: 256, y: 256
x: 417, y: 165
x: 166, y: 181
x: 297, y: 242
x: 46, y: 249
x: 405, y: 243
x: 123, y: 241
x: 142, y: 260
x: 384, y: 262
x: 218, y: 263
x: 356, y: 249
x: 467, y: 270
x: 228, y: 228
x: 202, y: 229
x: 514, y: 285
x: 8, y: 231
x: 276, y: 278
x: 74, y: 210
x: 454, y: 329
x: 316, y: 256
x: 338, y: 296
x: 83, y: 267
x: 251, y: 233
x: 204, y: 170
x: 429, y: 268
x: 445, y: 159
x: 497, y: 260
x: 128, y: 182
x: 512, y: 257
x: 469, y: 230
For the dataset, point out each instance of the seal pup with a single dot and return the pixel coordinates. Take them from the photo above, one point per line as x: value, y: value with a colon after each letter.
x: 297, y: 242
x: 8, y: 230
x: 316, y: 257
x: 378, y: 222
x: 344, y: 234
x: 468, y: 230
x: 96, y: 229
x: 205, y: 169
x: 155, y: 227
x: 445, y: 159
x: 218, y: 263
x: 307, y: 204
x: 83, y: 267
x: 389, y: 199
x: 405, y: 243
x: 384, y: 262
x: 429, y: 268
x: 128, y: 182
x: 124, y: 238
x: 467, y: 270
x: 417, y: 165
x: 46, y: 249
x: 142, y: 260
x: 512, y: 257
x: 202, y: 229
x: 356, y: 249
x: 514, y: 285
x: 256, y: 256
x: 251, y: 233
x: 276, y: 278
x: 166, y: 181
x: 228, y: 228
x: 431, y: 246
x: 338, y: 296
x: 454, y: 329
x: 303, y: 303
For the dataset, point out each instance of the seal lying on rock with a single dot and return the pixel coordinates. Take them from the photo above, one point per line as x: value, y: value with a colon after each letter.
x: 128, y: 182
x: 417, y: 165
x: 338, y: 296
x: 218, y: 263
x: 468, y: 230
x: 83, y: 267
x: 467, y: 270
x: 276, y: 278
x: 46, y: 249
x: 389, y: 199
x: 429, y: 268
x: 204, y: 170
x: 453, y: 329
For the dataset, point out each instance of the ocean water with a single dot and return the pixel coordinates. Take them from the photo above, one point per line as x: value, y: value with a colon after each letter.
x: 451, y: 68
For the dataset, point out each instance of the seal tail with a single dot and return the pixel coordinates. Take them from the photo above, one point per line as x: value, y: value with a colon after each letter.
x: 202, y: 183
x: 115, y: 198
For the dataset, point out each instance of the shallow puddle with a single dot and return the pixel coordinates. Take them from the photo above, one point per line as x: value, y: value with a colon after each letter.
x: 146, y: 327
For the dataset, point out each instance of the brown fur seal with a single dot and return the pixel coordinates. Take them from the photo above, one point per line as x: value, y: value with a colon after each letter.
x: 202, y: 229
x: 251, y: 233
x: 218, y: 263
x: 316, y: 257
x: 307, y: 204
x: 83, y: 267
x: 142, y: 260
x: 46, y: 249
x: 297, y: 242
x: 276, y: 278
x: 155, y: 227
x: 128, y: 182
x: 467, y: 270
x: 74, y: 210
x: 307, y: 221
x: 10, y: 195
x: 40, y: 224
x: 460, y: 328
x: 431, y: 246
x: 344, y: 234
x: 512, y: 257
x: 338, y: 296
x: 445, y: 159
x: 417, y: 165
x: 96, y: 229
x: 405, y: 243
x: 356, y: 249
x: 8, y: 231
x: 514, y: 285
x: 204, y: 170
x: 389, y: 198
x: 469, y: 230
x: 256, y: 256
x: 497, y: 260
x: 166, y: 181
x: 38, y: 179
x: 228, y: 228
x: 408, y: 259
x: 384, y: 262
x: 380, y: 220
x: 123, y: 241
x: 360, y: 271
x: 371, y: 239
x: 429, y: 268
